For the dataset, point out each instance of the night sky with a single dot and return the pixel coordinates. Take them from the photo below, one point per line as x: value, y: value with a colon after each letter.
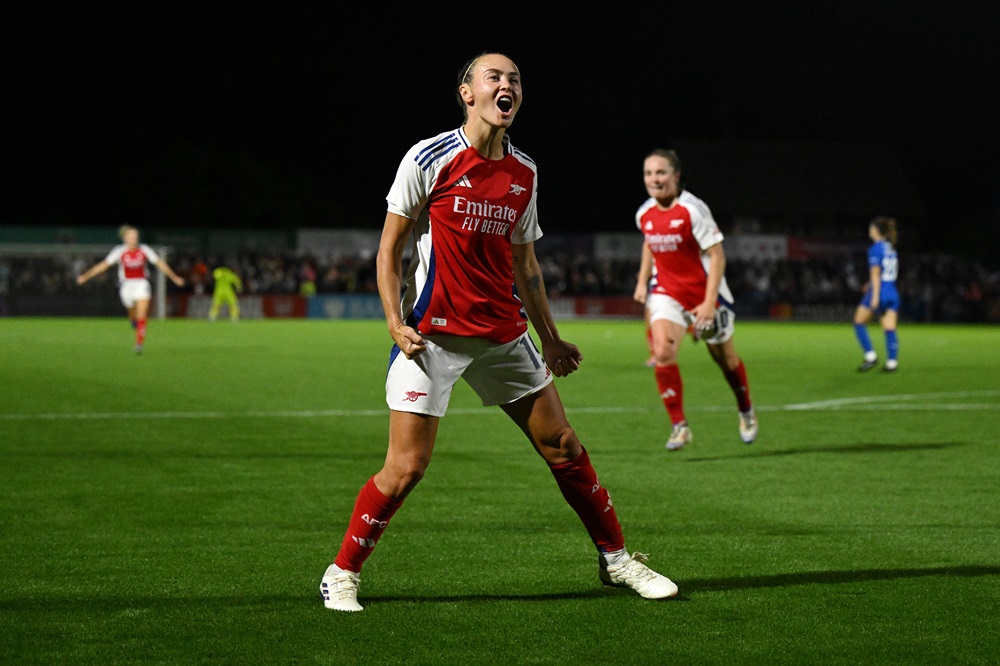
x: 263, y: 117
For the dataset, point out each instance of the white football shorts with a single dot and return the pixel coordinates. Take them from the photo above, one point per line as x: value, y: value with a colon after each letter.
x: 498, y: 373
x: 661, y: 306
x: 134, y: 289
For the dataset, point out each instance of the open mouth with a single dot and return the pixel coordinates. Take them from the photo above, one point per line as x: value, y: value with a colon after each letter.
x: 505, y: 103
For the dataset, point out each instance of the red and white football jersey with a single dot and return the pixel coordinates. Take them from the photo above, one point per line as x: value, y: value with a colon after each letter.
x: 678, y: 238
x: 132, y: 263
x: 468, y: 210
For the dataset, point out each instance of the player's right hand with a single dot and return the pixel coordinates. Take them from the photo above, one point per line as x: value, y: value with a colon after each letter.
x: 409, y: 341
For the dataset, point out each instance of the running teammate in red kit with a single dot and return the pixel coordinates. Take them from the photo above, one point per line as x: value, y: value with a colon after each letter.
x: 134, y: 288
x: 683, y: 245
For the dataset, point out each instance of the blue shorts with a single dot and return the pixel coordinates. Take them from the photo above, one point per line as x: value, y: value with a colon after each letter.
x: 886, y: 302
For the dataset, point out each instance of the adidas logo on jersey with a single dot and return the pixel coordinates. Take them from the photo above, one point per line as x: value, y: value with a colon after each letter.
x: 464, y: 182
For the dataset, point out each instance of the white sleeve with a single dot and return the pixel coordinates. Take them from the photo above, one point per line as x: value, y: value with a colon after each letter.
x: 527, y: 229
x: 646, y: 205
x: 703, y: 225
x: 115, y: 255
x: 150, y: 253
x: 411, y: 189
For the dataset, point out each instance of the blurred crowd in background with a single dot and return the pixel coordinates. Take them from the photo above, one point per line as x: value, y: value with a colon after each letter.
x: 934, y: 288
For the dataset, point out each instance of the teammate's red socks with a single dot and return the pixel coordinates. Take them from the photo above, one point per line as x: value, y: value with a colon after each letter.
x: 668, y: 380
x: 372, y: 511
x: 578, y: 483
x: 737, y: 380
x: 140, y: 331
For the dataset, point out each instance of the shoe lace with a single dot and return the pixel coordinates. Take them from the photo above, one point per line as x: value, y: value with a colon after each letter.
x: 635, y: 570
x: 344, y: 585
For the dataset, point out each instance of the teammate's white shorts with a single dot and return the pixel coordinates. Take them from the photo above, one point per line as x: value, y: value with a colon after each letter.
x: 134, y: 289
x: 498, y: 373
x: 661, y: 306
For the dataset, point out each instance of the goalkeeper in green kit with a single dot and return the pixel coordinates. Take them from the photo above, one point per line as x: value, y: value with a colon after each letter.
x: 227, y: 285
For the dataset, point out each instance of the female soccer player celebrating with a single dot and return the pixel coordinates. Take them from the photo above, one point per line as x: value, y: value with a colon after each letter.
x: 133, y: 277
x: 467, y: 197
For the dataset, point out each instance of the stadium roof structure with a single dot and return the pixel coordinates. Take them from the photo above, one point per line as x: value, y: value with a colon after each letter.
x: 814, y: 180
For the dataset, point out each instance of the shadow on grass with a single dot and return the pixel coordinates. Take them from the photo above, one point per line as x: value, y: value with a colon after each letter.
x: 688, y: 588
x: 696, y: 586
x: 852, y: 448
x: 833, y: 577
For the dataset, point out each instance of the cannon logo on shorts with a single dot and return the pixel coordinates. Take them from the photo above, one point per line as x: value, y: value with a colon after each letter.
x: 412, y: 396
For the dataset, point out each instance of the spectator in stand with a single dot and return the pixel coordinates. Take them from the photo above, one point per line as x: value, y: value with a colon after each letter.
x: 198, y: 276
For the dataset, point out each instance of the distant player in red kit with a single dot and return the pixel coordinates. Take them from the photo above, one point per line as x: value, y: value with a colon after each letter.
x: 134, y: 288
x: 682, y: 253
x: 467, y: 199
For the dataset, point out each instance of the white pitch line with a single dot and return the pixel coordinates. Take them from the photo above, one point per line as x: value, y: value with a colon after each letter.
x: 900, y: 402
x: 868, y: 400
x: 305, y: 413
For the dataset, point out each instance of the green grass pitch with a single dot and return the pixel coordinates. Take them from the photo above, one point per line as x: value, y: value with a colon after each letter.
x: 179, y: 507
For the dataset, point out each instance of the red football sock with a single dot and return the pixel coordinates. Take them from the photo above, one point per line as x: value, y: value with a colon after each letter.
x: 579, y: 485
x: 737, y: 380
x: 372, y: 511
x: 140, y: 331
x: 668, y: 380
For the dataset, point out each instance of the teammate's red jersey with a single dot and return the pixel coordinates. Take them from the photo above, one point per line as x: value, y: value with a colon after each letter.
x: 132, y: 264
x: 678, y: 237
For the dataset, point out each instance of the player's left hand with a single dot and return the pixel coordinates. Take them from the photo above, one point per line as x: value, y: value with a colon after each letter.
x: 562, y: 358
x: 704, y: 317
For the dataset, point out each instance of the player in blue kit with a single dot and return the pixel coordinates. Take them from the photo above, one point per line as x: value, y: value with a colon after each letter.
x: 880, y: 295
x: 467, y: 200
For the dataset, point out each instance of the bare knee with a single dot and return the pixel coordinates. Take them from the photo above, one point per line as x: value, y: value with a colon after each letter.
x: 665, y: 353
x: 560, y: 446
x: 665, y: 349
x: 667, y: 358
x: 399, y: 476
